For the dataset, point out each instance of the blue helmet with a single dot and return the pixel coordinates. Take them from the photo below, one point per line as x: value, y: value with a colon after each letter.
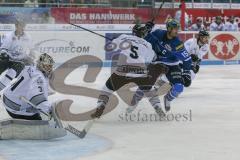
x: 172, y: 23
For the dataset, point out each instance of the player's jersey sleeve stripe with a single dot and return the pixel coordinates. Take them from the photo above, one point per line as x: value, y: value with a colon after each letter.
x: 8, y: 77
x: 11, y: 104
x: 187, y: 59
x: 38, y: 99
x: 2, y: 86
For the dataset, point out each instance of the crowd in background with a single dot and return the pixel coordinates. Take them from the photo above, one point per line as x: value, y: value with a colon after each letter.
x: 218, y: 23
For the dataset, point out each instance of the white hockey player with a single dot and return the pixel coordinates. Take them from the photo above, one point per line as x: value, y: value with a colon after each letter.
x: 33, y: 85
x: 15, y: 52
x: 197, y: 48
x: 133, y: 66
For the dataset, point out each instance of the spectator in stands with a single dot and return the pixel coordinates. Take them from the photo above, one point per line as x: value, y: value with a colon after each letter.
x: 178, y: 15
x: 231, y: 25
x: 217, y: 25
x: 47, y: 18
x: 206, y: 24
x: 31, y: 3
x: 42, y: 3
x: 198, y: 25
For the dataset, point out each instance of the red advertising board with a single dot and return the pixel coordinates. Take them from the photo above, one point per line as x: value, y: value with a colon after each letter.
x: 224, y: 46
x: 209, y: 14
x: 128, y: 16
x: 107, y: 15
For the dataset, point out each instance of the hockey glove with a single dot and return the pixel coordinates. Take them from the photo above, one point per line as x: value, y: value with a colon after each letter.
x: 195, y: 58
x: 4, y: 55
x: 186, y: 75
x: 195, y: 68
x: 149, y: 26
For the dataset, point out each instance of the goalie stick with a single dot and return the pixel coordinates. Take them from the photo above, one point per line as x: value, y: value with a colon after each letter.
x: 69, y: 128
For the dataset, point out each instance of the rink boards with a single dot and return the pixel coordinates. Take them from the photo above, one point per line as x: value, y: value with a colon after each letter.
x: 64, y: 42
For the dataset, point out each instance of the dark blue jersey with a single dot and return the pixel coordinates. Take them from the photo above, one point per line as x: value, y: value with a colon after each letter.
x: 169, y: 51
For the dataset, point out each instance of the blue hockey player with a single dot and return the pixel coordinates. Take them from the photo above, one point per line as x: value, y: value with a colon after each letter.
x: 169, y: 51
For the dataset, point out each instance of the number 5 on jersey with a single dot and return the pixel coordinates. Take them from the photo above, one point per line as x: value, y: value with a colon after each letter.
x: 134, y: 53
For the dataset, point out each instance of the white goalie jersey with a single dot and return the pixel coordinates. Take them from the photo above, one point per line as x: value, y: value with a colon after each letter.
x: 193, y: 48
x: 19, y: 48
x: 134, y: 55
x: 31, y: 84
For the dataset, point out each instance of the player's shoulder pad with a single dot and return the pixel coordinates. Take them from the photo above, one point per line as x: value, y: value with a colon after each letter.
x: 191, y: 41
x: 40, y: 78
x: 121, y: 37
x: 154, y: 36
x: 205, y: 47
x: 124, y: 36
x: 159, y: 32
x: 149, y: 45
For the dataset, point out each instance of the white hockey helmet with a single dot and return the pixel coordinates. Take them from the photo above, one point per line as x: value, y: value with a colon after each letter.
x: 20, y: 22
x: 45, y: 64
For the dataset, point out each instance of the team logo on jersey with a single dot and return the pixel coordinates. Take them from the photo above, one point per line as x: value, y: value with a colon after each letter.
x: 39, y: 81
x: 167, y: 46
x: 180, y: 46
x: 224, y: 46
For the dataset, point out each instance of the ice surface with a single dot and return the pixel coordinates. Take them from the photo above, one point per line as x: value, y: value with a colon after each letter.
x: 213, y: 133
x: 69, y: 147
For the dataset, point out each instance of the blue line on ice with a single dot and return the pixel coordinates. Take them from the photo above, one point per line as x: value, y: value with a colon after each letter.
x: 66, y: 148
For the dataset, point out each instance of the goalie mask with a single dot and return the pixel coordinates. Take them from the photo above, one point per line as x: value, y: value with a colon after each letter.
x: 45, y: 64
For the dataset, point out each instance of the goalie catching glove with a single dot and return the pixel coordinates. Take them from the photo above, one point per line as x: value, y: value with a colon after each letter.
x: 149, y: 26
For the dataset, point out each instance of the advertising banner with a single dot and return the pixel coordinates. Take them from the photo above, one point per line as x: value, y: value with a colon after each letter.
x: 107, y: 15
x: 128, y: 16
x: 69, y: 43
x: 224, y: 46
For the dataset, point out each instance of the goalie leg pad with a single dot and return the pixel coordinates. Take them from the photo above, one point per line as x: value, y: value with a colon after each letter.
x: 29, y: 130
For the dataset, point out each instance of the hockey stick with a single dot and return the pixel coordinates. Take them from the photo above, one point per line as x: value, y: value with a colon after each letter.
x: 69, y: 128
x: 34, y: 106
x: 90, y: 31
x: 159, y: 9
x: 153, y: 19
